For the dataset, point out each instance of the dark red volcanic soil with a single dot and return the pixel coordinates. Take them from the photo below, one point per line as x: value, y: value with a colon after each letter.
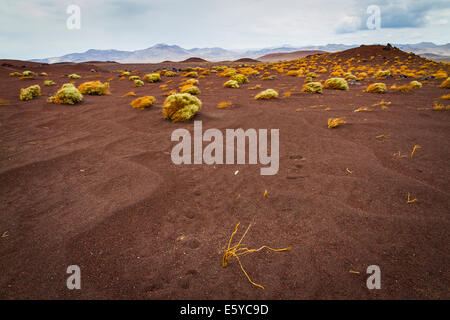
x: 248, y: 60
x: 93, y: 185
x: 272, y: 57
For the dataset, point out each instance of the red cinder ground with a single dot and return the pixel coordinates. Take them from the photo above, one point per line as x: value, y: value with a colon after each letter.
x: 93, y: 185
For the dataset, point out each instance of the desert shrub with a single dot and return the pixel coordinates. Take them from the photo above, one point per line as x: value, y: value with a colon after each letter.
x: 30, y: 93
x: 266, y: 94
x: 308, y: 79
x: 68, y: 94
x: 292, y: 73
x: 445, y: 83
x: 440, y: 107
x: 191, y: 89
x: 125, y: 73
x: 138, y: 83
x: 312, y: 75
x: 313, y: 87
x: 228, y: 72
x: 132, y: 78
x: 49, y: 83
x: 382, y: 73
x: 445, y: 97
x: 170, y: 74
x: 336, y: 83
x: 231, y: 84
x: 94, y: 88
x: 415, y: 84
x: 143, y: 102
x: 349, y: 76
x: 440, y: 74
x: 248, y: 71
x: 181, y: 107
x: 192, y: 74
x: 152, y: 77
x: 27, y: 73
x: 362, y: 75
x: 131, y: 93
x: 240, y: 78
x: 335, y: 122
x: 403, y: 88
x: 191, y: 82
x: 43, y: 74
x: 377, y: 87
x: 74, y: 76
x: 15, y: 74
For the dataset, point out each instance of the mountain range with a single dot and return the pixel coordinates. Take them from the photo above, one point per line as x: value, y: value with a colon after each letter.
x: 162, y: 52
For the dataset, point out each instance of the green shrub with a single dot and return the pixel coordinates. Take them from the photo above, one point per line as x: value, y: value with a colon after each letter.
x: 28, y: 73
x: 30, y: 93
x: 49, y: 83
x: 181, y: 107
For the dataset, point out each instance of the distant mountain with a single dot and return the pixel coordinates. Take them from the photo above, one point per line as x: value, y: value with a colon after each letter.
x: 161, y: 52
x: 272, y: 57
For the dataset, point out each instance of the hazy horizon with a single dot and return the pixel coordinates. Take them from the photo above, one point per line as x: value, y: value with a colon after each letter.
x: 38, y: 29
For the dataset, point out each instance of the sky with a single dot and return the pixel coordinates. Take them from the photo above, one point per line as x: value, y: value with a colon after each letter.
x: 38, y: 28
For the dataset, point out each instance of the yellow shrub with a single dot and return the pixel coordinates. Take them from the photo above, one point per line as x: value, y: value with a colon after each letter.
x: 138, y: 83
x: 28, y: 73
x: 68, y: 94
x: 445, y: 97
x: 267, y: 94
x: 240, y: 78
x: 94, y: 88
x: 143, y: 102
x: 30, y: 93
x: 378, y: 87
x: 49, y: 83
x: 15, y: 74
x: 131, y: 93
x: 191, y: 89
x: 152, y: 77
x: 440, y: 74
x: 440, y: 107
x: 231, y: 84
x: 336, y: 83
x: 170, y: 74
x: 229, y: 72
x: 181, y: 107
x: 192, y: 74
x: 74, y: 76
x: 382, y: 73
x: 313, y: 87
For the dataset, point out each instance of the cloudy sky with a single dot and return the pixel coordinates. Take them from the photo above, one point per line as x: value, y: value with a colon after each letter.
x: 38, y: 28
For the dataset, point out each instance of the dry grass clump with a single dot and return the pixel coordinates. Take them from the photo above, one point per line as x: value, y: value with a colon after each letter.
x: 224, y: 104
x: 445, y: 97
x: 440, y: 107
x: 49, y: 83
x: 377, y: 87
x: 292, y: 73
x: 336, y: 84
x: 94, y: 88
x: 193, y: 82
x: 440, y: 75
x: 43, y: 74
x: 131, y: 93
x: 132, y: 78
x: 191, y: 89
x: 27, y: 73
x: 143, y: 102
x: 228, y: 72
x: 181, y: 107
x: 68, y: 94
x: 335, y: 122
x: 15, y: 74
x: 240, y: 78
x: 170, y: 74
x: 415, y: 84
x: 266, y: 95
x: 231, y: 84
x: 257, y: 86
x: 152, y: 77
x: 445, y: 84
x: 313, y: 87
x: 237, y: 250
x: 30, y: 93
x: 74, y: 76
